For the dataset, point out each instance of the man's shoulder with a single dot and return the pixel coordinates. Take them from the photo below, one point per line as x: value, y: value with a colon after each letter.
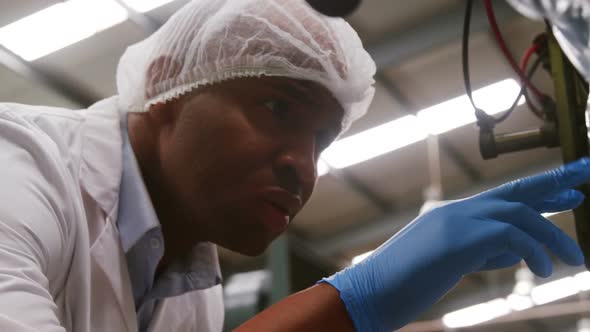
x: 25, y: 110
x: 41, y: 122
x: 61, y: 128
x: 105, y: 109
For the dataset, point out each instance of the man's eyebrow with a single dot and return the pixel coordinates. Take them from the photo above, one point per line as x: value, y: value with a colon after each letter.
x: 302, y: 91
x: 297, y: 91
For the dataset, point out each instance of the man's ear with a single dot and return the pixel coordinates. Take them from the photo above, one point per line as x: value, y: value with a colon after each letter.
x: 157, y: 108
x: 161, y: 69
x: 165, y: 113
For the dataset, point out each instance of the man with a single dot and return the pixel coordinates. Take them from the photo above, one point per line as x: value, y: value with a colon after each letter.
x: 109, y: 216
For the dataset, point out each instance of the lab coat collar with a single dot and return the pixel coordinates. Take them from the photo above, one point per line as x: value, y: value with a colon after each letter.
x: 136, y: 212
x: 100, y: 176
x: 100, y: 172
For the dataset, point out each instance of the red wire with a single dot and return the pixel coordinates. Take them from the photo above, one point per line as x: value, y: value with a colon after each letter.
x: 525, y: 59
x: 504, y: 48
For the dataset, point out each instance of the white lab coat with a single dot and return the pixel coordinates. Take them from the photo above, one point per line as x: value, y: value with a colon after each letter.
x: 61, y: 262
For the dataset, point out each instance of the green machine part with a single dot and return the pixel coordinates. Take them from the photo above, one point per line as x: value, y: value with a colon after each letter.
x: 570, y: 102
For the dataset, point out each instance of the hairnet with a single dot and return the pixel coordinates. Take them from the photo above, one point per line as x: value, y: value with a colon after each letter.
x: 209, y: 41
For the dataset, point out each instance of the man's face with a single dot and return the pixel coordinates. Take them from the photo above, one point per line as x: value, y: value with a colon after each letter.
x: 239, y: 160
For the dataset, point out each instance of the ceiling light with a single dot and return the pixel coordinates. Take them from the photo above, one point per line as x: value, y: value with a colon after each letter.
x: 143, y: 6
x: 60, y: 25
x: 374, y: 142
x: 476, y: 314
x: 457, y: 112
x: 519, y: 302
x: 66, y: 23
x: 582, y: 280
x: 555, y: 290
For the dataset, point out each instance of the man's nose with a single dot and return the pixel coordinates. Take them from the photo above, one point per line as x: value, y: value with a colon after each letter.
x: 296, y: 167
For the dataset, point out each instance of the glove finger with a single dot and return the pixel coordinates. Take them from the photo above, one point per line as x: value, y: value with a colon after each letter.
x: 539, y: 228
x: 494, y: 238
x: 537, y: 187
x: 523, y: 245
x: 563, y: 201
x: 501, y: 262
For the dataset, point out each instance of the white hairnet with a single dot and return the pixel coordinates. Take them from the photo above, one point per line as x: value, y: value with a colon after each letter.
x: 208, y: 41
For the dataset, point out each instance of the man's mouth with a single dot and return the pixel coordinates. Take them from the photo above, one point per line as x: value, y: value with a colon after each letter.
x: 284, y: 201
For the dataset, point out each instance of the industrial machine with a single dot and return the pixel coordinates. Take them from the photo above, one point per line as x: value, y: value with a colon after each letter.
x: 561, y: 51
x: 564, y: 51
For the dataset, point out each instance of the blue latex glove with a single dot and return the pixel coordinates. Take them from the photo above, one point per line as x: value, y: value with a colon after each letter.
x: 495, y: 229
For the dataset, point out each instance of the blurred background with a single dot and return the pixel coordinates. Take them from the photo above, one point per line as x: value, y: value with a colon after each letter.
x: 417, y: 146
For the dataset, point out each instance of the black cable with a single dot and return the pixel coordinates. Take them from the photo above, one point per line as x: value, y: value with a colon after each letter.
x: 532, y: 107
x: 523, y: 88
x: 465, y: 50
x: 541, y: 54
x: 465, y: 60
x: 484, y: 120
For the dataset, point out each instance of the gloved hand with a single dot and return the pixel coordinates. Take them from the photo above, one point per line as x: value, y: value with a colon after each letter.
x: 495, y: 229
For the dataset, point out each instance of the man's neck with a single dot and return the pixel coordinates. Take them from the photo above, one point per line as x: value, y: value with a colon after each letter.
x: 178, y: 240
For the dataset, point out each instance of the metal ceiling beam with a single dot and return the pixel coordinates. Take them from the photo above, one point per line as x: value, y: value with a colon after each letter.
x: 359, y: 236
x: 145, y: 22
x: 69, y: 89
x: 364, y: 190
x: 438, y: 31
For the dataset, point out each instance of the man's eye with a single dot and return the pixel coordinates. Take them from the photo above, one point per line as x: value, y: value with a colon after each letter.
x: 277, y: 107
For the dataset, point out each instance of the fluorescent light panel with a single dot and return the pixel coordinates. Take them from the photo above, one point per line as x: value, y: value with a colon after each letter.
x: 60, y: 25
x: 374, y: 142
x: 519, y: 302
x: 477, y: 314
x: 582, y: 280
x: 457, y: 112
x: 66, y: 23
x: 438, y: 119
x: 555, y: 290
